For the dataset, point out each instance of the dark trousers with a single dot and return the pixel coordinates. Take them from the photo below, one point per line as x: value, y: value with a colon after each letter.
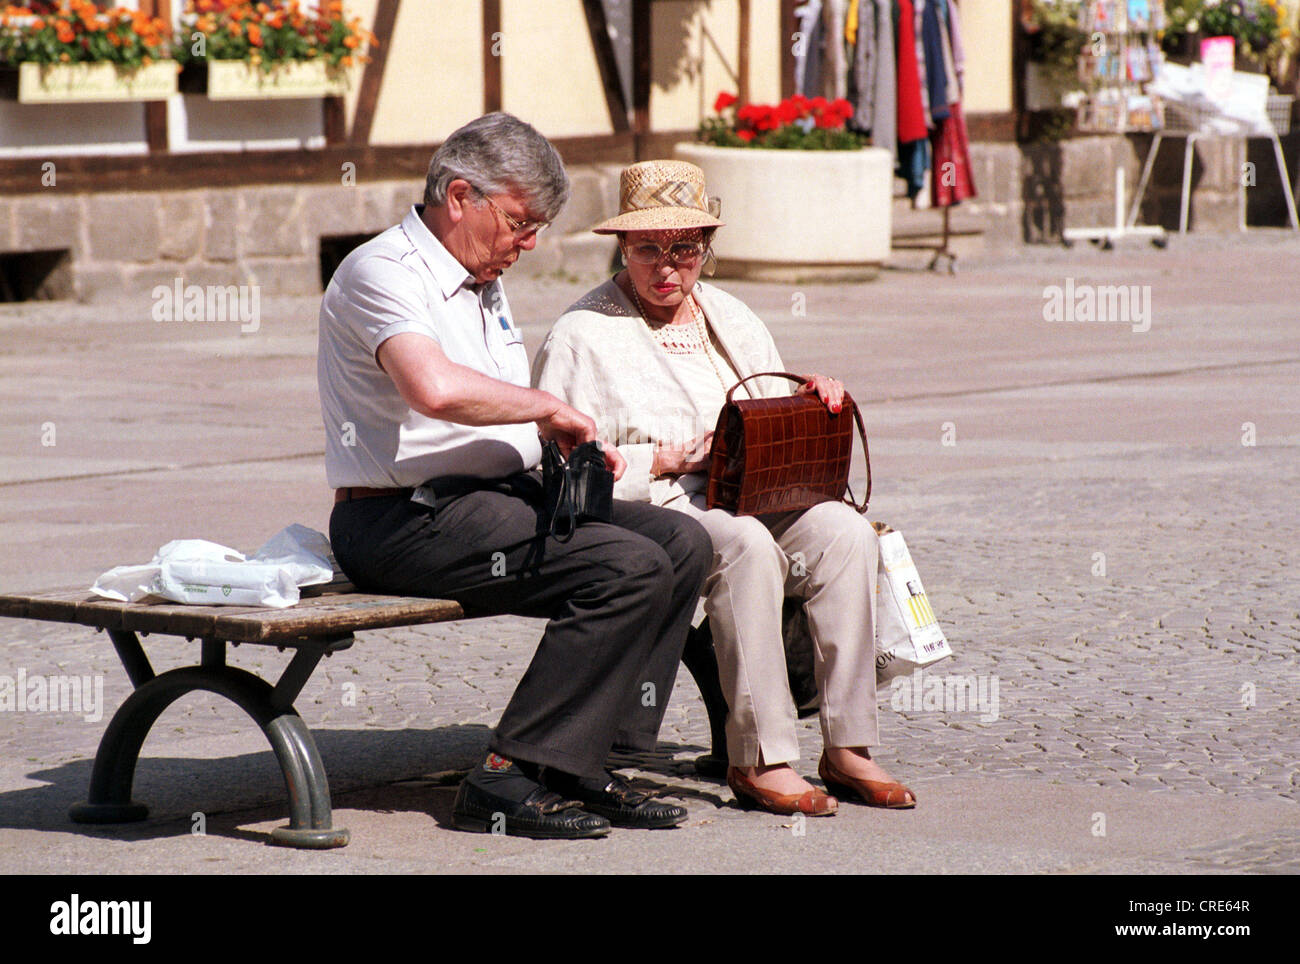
x: 619, y: 597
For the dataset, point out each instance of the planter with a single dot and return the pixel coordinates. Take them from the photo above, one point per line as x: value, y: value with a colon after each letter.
x: 32, y: 83
x: 237, y: 80
x: 798, y: 215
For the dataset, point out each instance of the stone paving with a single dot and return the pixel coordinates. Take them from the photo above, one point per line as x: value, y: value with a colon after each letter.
x: 1098, y: 540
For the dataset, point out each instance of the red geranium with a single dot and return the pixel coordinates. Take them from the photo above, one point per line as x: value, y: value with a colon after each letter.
x: 797, y: 122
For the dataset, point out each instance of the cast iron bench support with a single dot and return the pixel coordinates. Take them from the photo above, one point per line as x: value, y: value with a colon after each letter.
x: 271, y: 707
x: 321, y: 624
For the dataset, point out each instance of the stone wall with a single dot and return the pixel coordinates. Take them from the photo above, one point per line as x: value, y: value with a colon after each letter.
x: 270, y: 235
x: 267, y: 235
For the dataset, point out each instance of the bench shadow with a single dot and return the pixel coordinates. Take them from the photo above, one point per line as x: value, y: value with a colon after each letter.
x: 383, y: 771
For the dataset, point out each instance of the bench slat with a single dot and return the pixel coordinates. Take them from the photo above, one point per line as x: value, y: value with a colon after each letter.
x: 329, y: 614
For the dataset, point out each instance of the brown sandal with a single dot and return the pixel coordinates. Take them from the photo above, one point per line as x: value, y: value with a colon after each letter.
x: 874, y: 793
x: 811, y: 803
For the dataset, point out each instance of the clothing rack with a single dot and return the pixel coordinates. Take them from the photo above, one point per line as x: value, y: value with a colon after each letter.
x: 900, y: 64
x: 941, y: 250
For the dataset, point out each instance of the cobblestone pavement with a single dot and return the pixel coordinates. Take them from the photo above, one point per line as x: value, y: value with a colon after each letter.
x: 1101, y: 534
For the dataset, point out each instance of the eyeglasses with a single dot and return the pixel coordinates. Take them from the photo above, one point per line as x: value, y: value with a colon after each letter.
x: 684, y: 254
x: 522, y: 230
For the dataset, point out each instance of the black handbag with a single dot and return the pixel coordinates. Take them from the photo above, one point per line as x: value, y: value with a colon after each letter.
x: 581, y: 488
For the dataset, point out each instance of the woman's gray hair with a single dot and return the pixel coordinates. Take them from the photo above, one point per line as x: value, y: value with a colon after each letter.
x: 500, y: 154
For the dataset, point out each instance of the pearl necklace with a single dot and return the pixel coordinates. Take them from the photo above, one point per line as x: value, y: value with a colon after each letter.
x: 697, y: 316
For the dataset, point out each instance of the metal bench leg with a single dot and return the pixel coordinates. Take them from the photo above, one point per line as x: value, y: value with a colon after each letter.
x: 700, y: 658
x: 295, y: 750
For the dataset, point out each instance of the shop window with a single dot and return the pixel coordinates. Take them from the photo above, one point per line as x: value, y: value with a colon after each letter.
x: 334, y: 249
x: 35, y: 276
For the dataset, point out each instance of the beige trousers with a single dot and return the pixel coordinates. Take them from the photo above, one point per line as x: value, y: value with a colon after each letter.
x: 827, y: 556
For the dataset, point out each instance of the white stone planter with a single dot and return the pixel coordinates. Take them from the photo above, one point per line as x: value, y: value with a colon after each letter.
x: 798, y: 215
x: 94, y: 83
x: 237, y: 80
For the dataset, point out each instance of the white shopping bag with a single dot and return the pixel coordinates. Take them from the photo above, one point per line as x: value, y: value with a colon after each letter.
x: 908, y: 635
x: 207, y: 574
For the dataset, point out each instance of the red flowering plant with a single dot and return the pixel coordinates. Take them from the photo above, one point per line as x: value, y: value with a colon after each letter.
x: 798, y: 123
x: 77, y: 31
x: 267, y: 34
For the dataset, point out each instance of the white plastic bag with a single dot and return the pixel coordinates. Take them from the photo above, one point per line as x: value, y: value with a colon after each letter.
x: 207, y: 574
x: 908, y: 635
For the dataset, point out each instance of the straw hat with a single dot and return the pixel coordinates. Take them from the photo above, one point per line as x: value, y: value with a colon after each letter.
x: 658, y: 195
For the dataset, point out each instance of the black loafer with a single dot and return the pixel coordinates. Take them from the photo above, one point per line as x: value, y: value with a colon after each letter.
x: 541, y: 815
x: 624, y: 806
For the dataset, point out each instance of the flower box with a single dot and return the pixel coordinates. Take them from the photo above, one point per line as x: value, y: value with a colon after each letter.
x: 798, y: 215
x: 32, y: 83
x: 239, y: 80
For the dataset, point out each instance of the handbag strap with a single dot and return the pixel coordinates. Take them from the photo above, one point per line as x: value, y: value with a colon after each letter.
x: 857, y: 417
x: 564, y: 508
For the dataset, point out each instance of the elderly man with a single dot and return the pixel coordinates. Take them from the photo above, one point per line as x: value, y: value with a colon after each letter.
x: 432, y: 433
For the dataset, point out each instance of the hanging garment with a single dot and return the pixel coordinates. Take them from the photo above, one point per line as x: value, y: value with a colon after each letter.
x: 807, y: 56
x: 918, y: 12
x: 883, y: 76
x: 851, y: 23
x: 952, y: 90
x: 936, y: 77
x: 913, y: 162
x: 835, y: 80
x: 862, y: 89
x: 911, y: 110
x: 958, y: 49
x: 950, y: 179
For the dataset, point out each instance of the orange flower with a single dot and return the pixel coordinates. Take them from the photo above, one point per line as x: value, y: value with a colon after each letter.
x: 65, y: 32
x: 351, y: 42
x: 255, y: 35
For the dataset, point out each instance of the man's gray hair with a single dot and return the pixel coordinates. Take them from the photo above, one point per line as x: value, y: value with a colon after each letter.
x: 500, y: 154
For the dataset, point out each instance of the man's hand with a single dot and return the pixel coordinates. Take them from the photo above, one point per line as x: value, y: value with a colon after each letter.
x: 830, y: 391
x: 568, y: 427
x: 682, y: 459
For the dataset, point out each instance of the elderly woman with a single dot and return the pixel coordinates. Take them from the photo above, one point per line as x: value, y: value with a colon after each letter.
x: 650, y: 355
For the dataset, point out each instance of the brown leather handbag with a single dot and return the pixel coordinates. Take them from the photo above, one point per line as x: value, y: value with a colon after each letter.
x: 783, y: 454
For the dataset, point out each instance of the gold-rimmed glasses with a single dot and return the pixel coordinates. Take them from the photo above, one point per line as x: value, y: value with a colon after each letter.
x: 522, y: 230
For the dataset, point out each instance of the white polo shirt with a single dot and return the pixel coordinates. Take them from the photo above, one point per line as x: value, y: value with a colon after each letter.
x: 406, y: 281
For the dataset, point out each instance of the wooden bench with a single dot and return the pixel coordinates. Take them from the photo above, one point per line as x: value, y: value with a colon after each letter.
x: 321, y: 624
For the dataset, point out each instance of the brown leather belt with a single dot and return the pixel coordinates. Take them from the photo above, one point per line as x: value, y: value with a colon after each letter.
x: 361, y: 492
